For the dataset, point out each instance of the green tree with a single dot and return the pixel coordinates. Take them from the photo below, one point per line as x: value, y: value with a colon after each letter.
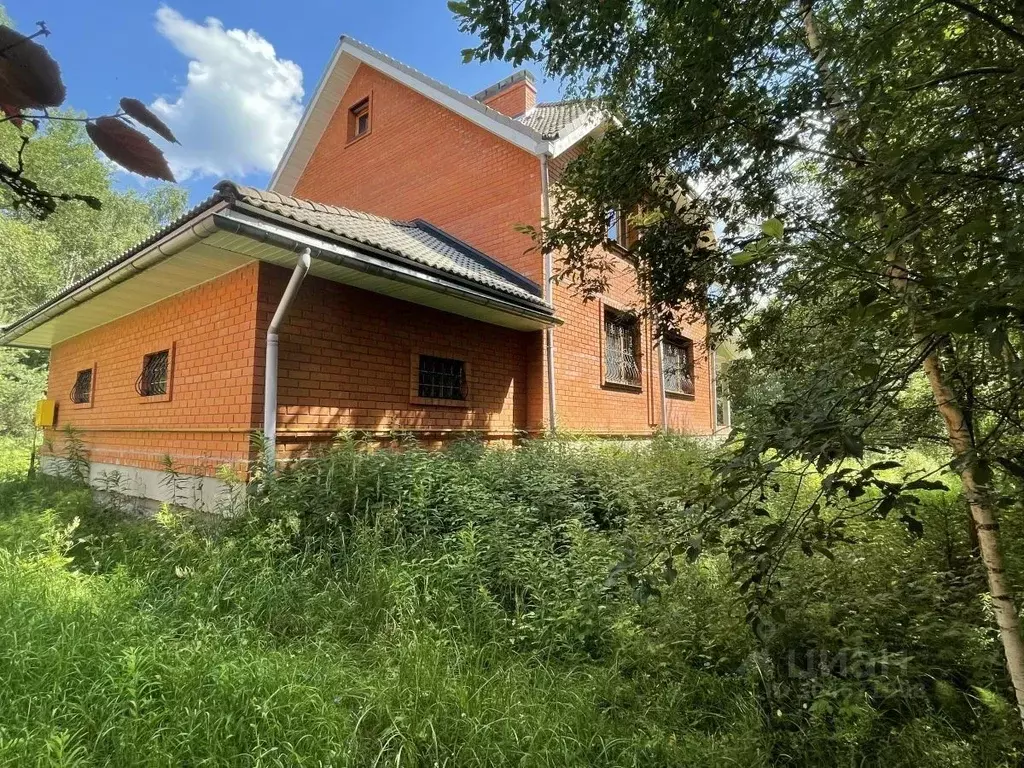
x: 30, y: 88
x: 39, y: 257
x: 866, y: 162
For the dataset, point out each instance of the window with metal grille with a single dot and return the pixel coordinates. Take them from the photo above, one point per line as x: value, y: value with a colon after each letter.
x: 442, y: 378
x: 621, y: 342
x: 82, y: 391
x: 677, y: 358
x: 153, y: 379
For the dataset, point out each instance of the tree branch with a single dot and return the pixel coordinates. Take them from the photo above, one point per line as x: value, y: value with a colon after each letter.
x: 979, y: 72
x: 988, y: 18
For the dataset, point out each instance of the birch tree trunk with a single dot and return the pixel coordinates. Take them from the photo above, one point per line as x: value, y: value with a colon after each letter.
x: 985, y: 524
x: 959, y: 435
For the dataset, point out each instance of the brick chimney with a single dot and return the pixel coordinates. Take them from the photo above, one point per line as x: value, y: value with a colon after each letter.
x: 513, y: 96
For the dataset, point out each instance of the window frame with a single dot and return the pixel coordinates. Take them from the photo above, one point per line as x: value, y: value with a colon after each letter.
x: 414, y: 379
x: 92, y: 388
x: 164, y: 396
x: 619, y: 221
x: 362, y: 107
x: 680, y: 342
x: 609, y: 309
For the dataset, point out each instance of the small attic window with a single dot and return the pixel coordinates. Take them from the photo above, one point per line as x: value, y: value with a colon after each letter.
x: 359, y: 119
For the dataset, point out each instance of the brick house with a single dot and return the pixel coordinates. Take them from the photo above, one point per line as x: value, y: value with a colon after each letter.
x: 418, y: 306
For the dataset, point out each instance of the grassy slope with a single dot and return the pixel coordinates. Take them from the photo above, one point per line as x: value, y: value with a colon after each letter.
x: 429, y: 629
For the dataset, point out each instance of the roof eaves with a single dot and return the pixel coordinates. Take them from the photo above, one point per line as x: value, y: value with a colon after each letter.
x: 571, y: 134
x: 367, y: 258
x: 378, y: 249
x: 501, y: 125
x: 114, y: 263
x: 437, y: 85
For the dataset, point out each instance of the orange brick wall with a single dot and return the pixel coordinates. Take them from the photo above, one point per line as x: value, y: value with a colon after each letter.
x: 583, y: 401
x: 207, y: 419
x: 346, y: 359
x: 420, y: 160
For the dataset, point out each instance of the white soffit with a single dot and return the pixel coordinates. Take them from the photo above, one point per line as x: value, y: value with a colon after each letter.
x: 197, y: 264
x: 223, y: 252
x: 348, y: 55
x: 416, y: 294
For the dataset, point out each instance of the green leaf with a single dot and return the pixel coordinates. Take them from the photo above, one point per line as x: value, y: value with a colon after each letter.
x: 693, y: 548
x: 982, y: 472
x: 926, y: 485
x: 774, y: 228
x: 743, y: 257
x: 867, y: 296
x: 878, y: 466
x: 869, y: 370
x: 915, y: 526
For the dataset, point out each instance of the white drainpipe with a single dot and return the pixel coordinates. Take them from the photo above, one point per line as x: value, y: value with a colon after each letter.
x: 549, y: 294
x: 664, y: 397
x: 270, y: 377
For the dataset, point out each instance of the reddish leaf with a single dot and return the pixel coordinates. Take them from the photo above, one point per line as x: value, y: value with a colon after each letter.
x: 139, y: 112
x: 128, y: 148
x: 29, y: 77
x: 13, y: 113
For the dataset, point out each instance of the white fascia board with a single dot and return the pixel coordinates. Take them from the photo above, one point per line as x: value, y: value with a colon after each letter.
x: 464, y: 106
x: 287, y: 156
x: 574, y: 137
x: 523, y: 137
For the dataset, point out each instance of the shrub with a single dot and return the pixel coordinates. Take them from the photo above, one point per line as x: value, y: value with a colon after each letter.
x: 454, y: 607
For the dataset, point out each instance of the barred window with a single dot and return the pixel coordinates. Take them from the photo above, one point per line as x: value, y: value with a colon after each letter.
x: 677, y: 358
x: 153, y: 379
x: 82, y: 391
x: 442, y: 378
x: 621, y: 342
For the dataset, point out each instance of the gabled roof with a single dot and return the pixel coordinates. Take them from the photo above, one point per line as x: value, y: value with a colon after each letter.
x: 414, y: 261
x: 347, y: 57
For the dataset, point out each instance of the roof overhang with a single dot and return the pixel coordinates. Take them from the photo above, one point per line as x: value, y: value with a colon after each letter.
x: 219, y: 239
x: 348, y: 55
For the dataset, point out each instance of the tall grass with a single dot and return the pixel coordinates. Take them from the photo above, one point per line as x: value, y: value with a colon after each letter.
x: 454, y: 609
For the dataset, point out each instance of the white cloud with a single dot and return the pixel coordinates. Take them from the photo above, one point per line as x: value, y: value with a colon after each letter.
x: 240, y: 105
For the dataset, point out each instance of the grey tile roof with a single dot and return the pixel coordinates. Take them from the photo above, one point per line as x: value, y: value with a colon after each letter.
x: 555, y: 119
x: 416, y: 241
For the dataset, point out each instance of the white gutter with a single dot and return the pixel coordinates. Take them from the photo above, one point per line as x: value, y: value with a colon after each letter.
x: 270, y: 376
x: 549, y: 294
x: 168, y: 245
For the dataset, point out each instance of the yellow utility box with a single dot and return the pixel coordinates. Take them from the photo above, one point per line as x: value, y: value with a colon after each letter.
x: 46, y: 413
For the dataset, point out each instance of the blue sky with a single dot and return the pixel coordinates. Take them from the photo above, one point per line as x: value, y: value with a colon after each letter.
x: 234, y: 109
